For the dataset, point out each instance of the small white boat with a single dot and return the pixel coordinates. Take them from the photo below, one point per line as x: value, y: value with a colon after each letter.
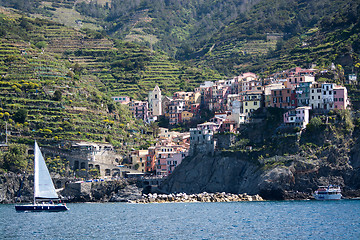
x: 328, y: 193
x: 44, y: 189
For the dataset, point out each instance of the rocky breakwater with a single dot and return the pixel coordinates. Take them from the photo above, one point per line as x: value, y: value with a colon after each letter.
x: 200, y: 197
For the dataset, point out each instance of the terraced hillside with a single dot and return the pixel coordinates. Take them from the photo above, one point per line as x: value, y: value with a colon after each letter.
x: 57, y: 82
x: 125, y: 68
x: 297, y: 33
x: 42, y: 96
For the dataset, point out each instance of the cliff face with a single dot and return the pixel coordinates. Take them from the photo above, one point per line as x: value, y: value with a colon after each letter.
x: 10, y: 186
x: 109, y: 191
x: 205, y: 173
x: 293, y: 169
x: 16, y: 188
x: 295, y: 177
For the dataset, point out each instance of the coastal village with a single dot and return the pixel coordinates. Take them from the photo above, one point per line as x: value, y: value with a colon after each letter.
x: 233, y: 102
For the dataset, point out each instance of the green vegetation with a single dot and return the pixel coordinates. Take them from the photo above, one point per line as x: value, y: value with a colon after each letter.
x: 298, y: 33
x: 58, y: 165
x: 271, y: 144
x: 15, y: 159
x: 46, y: 97
x: 227, y: 36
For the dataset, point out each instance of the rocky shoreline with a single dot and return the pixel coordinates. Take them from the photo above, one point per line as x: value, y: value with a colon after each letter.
x: 200, y: 197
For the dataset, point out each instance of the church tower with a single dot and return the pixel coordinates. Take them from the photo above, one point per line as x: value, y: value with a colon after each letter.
x: 155, y: 101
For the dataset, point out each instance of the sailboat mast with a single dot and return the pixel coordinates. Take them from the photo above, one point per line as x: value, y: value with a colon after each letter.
x: 35, y: 165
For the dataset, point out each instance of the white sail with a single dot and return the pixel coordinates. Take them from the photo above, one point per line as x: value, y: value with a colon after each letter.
x: 43, y: 185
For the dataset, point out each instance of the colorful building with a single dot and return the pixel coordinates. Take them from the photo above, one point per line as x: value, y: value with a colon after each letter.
x: 139, y: 109
x: 176, y: 107
x: 252, y: 100
x: 283, y: 98
x: 327, y: 96
x: 298, y: 117
x: 303, y: 94
x: 340, y: 97
x: 186, y: 116
x: 138, y: 159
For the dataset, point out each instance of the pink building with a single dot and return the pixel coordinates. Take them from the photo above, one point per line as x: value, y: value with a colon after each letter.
x: 140, y: 109
x: 175, y: 108
x: 340, y: 97
x: 175, y: 160
x: 298, y: 117
x: 168, y: 158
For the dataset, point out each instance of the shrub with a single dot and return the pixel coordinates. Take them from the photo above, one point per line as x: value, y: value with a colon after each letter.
x: 41, y: 44
x: 57, y: 95
x: 15, y: 159
x: 314, y: 124
x: 20, y: 116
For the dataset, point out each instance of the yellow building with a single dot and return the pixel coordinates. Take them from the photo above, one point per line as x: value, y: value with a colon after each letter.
x: 252, y: 101
x: 138, y: 159
x: 195, y: 98
x: 186, y: 116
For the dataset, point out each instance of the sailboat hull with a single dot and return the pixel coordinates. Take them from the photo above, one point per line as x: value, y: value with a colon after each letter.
x: 41, y: 208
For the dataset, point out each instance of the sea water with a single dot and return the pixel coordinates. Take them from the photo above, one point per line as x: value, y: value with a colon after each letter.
x: 234, y: 220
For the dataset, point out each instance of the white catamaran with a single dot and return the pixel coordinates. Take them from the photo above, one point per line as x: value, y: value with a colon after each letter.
x: 44, y: 189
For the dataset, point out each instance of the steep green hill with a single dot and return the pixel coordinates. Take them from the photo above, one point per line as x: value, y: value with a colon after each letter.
x: 161, y: 25
x: 279, y: 34
x: 228, y: 36
x: 44, y: 97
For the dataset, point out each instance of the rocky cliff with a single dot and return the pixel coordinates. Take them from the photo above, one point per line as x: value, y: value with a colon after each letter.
x: 18, y: 188
x: 10, y: 186
x: 290, y: 177
x: 280, y: 165
x: 123, y: 190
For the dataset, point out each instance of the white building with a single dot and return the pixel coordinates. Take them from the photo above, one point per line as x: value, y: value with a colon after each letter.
x: 328, y: 95
x: 298, y: 117
x: 315, y: 101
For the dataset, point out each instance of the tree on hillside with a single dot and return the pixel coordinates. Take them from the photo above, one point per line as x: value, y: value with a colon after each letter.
x: 15, y: 159
x: 155, y: 128
x: 20, y: 115
x: 57, y: 95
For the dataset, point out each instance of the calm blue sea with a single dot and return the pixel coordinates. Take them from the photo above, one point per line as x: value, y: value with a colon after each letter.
x: 242, y: 220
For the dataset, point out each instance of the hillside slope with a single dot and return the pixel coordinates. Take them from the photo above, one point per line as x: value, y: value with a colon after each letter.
x: 280, y: 34
x: 46, y: 97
